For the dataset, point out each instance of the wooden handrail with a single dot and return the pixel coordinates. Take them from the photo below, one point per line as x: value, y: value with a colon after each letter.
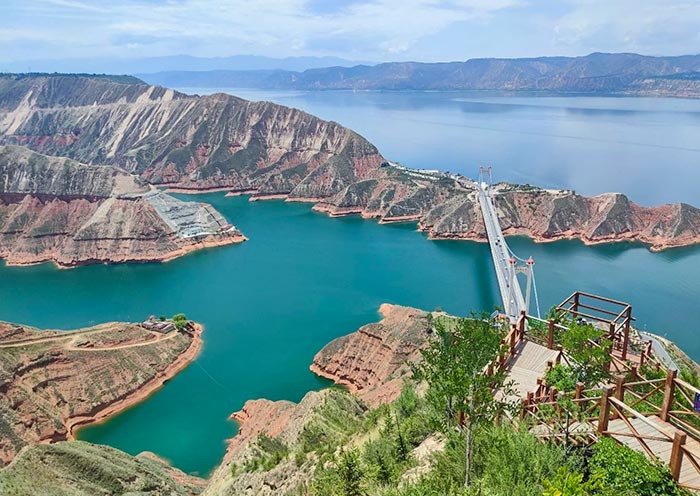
x: 641, y: 417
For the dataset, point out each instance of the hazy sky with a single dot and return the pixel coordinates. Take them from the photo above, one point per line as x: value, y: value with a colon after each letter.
x: 379, y: 30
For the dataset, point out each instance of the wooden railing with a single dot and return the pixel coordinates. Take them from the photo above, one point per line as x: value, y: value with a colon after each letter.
x: 509, y: 346
x: 585, y: 415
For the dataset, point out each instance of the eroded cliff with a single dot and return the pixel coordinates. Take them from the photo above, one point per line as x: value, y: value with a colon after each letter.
x: 58, y: 210
x: 189, y: 142
x: 446, y: 207
x: 54, y: 381
x: 221, y: 142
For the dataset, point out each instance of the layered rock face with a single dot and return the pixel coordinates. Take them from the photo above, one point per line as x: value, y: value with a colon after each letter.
x: 373, y: 361
x: 298, y: 430
x: 190, y: 142
x: 58, y: 210
x: 221, y: 142
x: 52, y: 382
x: 446, y: 207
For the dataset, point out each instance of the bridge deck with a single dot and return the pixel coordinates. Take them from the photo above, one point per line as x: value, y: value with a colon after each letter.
x: 511, y: 295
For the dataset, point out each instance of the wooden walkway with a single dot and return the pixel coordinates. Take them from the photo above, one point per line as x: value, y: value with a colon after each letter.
x: 653, y: 433
x: 528, y: 364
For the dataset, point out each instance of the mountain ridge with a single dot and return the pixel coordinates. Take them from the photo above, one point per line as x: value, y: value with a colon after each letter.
x: 625, y: 73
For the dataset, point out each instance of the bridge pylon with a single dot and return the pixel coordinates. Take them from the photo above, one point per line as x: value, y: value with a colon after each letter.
x: 506, y: 263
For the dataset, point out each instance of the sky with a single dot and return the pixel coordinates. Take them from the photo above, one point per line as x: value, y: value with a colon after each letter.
x: 366, y: 30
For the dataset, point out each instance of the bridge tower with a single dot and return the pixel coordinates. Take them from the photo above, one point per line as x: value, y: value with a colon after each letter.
x: 506, y: 263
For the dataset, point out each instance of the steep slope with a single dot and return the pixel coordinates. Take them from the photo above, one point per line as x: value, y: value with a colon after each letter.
x: 279, y: 445
x: 83, y: 469
x: 54, y: 381
x: 191, y: 142
x: 221, y: 142
x: 372, y: 362
x: 595, y: 73
x: 59, y: 210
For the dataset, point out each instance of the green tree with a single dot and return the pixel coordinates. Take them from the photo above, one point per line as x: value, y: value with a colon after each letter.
x: 180, y: 320
x: 351, y: 475
x: 454, y: 365
x: 589, y: 351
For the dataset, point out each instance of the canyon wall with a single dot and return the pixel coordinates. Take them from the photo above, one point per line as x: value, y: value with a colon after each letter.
x: 191, y: 142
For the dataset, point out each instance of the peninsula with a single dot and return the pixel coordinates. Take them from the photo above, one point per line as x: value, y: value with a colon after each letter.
x: 53, y: 382
x: 59, y: 210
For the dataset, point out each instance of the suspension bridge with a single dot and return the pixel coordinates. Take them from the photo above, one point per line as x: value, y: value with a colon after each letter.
x: 506, y: 263
x: 658, y: 417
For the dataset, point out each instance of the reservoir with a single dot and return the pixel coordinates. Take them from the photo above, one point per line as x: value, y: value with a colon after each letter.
x: 268, y: 305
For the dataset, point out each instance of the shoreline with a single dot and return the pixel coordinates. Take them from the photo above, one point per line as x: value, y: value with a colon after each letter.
x: 320, y: 205
x: 74, y: 424
x: 186, y: 249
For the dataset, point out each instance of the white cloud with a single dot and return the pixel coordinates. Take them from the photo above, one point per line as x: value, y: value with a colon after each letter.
x: 648, y: 26
x: 365, y: 29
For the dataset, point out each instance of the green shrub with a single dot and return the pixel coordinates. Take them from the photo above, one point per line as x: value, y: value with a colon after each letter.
x: 561, y: 377
x: 628, y: 472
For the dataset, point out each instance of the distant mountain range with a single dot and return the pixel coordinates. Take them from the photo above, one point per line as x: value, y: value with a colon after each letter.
x: 174, y: 63
x: 625, y: 73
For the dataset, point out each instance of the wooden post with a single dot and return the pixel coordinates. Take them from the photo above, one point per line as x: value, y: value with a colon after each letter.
x: 619, y: 392
x: 575, y: 312
x: 626, y: 335
x: 604, y: 417
x: 523, y: 408
x: 579, y: 390
x: 523, y: 320
x: 550, y: 336
x: 513, y: 332
x: 634, y: 373
x: 669, y: 391
x: 676, y: 459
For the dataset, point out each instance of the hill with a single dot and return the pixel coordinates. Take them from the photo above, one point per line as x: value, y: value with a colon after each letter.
x: 597, y: 73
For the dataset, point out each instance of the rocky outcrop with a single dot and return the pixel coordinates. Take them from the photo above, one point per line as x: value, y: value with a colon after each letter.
x: 189, y: 142
x: 221, y: 142
x: 373, y: 361
x: 276, y: 448
x: 52, y: 382
x: 83, y: 469
x: 58, y: 210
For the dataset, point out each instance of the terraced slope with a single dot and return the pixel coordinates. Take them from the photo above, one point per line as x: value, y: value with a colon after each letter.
x: 54, y: 381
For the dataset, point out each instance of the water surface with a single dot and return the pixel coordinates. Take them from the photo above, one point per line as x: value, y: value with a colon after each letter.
x: 270, y: 304
x: 648, y: 148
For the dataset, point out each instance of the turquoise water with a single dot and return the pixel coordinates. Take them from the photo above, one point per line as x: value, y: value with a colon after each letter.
x: 270, y: 304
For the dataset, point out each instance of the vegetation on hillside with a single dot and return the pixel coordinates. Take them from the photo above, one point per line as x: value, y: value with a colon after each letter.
x: 504, y: 458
